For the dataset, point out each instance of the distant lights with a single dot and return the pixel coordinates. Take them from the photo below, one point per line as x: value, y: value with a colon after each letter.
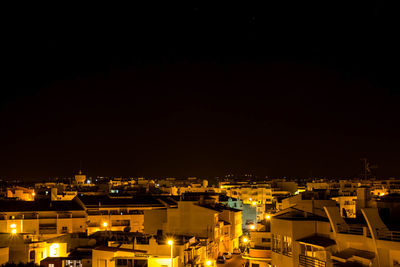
x: 252, y: 227
x: 170, y: 242
x: 267, y: 216
x: 13, y: 226
x: 208, y: 263
x: 245, y: 240
x: 254, y: 203
x: 14, y: 231
x: 105, y: 224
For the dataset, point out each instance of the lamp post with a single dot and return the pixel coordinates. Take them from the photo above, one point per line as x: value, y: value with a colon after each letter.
x: 171, y: 243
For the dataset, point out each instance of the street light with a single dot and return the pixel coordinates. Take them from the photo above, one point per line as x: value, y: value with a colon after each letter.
x: 208, y: 263
x: 14, y: 231
x: 105, y: 224
x: 171, y: 243
x: 245, y: 240
x: 268, y: 217
x: 254, y: 203
x: 252, y: 227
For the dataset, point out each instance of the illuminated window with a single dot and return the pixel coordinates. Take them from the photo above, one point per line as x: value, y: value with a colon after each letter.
x: 54, y: 250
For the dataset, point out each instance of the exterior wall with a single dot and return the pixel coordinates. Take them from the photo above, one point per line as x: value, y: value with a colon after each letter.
x: 104, y: 258
x: 296, y: 230
x: 262, y: 239
x: 4, y: 255
x: 347, y: 203
x: 190, y: 219
x: 162, y: 262
x: 34, y: 222
x: 154, y: 220
x: 235, y: 231
x: 116, y: 222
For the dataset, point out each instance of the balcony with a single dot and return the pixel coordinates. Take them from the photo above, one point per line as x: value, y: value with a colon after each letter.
x: 350, y: 229
x: 310, y: 262
x: 47, y: 229
x: 386, y: 234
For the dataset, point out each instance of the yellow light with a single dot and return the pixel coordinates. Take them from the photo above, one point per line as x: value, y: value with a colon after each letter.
x: 382, y: 194
x: 254, y: 203
x: 54, y: 251
x: 268, y: 217
x: 14, y: 231
x: 208, y: 263
x: 13, y: 225
x: 170, y: 242
x: 105, y: 224
x: 221, y: 187
x: 245, y: 239
x: 33, y: 194
x: 252, y: 227
x: 250, y: 199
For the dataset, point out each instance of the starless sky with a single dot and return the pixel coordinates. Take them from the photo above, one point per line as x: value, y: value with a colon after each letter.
x: 201, y: 90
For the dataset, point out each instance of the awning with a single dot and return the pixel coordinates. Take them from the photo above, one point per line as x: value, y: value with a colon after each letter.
x: 317, y: 240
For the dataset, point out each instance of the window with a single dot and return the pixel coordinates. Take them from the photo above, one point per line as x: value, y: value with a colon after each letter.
x: 276, y: 243
x: 287, y: 246
x: 51, y: 265
x: 32, y: 255
x: 265, y: 240
x: 64, y: 229
x: 255, y: 265
x: 122, y: 262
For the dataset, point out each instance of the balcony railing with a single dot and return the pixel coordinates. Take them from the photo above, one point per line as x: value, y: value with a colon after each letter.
x: 310, y: 262
x: 350, y: 229
x: 386, y: 234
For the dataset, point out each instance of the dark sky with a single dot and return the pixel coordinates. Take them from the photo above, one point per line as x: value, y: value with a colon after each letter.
x: 284, y: 89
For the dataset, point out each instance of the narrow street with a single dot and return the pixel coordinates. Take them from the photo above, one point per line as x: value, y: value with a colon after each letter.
x: 236, y: 261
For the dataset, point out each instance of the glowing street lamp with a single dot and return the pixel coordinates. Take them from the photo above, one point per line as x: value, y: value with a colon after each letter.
x: 252, y: 227
x: 245, y: 240
x: 13, y: 226
x: 105, y: 224
x: 268, y: 217
x: 208, y: 263
x: 171, y: 243
x: 14, y: 231
x: 254, y: 203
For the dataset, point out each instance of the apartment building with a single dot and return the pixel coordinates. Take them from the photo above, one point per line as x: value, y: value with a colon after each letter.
x: 118, y: 213
x: 42, y: 218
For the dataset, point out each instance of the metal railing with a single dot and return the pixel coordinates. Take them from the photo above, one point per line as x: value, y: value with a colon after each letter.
x: 386, y: 234
x: 350, y: 229
x: 310, y: 262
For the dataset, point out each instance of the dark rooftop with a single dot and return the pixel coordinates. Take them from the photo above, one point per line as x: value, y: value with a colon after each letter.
x: 318, y: 241
x: 39, y: 205
x: 105, y: 200
x: 294, y: 214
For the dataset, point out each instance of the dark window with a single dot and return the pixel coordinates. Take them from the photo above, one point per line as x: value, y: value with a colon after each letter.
x: 32, y: 255
x: 122, y: 262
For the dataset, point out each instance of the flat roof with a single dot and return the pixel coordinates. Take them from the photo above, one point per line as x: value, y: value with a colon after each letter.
x: 317, y: 241
x: 39, y: 205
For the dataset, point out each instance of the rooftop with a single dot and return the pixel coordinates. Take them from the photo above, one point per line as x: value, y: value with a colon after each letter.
x: 107, y: 201
x: 39, y: 205
x: 294, y: 214
x: 317, y: 241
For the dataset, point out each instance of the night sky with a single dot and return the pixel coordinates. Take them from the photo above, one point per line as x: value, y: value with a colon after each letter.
x: 283, y: 90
